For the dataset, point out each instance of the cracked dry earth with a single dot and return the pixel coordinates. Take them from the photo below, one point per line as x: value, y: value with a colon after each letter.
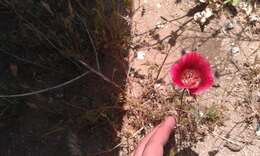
x: 237, y: 73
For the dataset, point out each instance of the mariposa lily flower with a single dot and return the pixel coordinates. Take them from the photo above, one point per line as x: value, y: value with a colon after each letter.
x: 192, y: 72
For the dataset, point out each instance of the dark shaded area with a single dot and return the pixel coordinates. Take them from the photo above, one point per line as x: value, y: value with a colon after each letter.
x: 178, y: 1
x: 186, y: 152
x: 25, y: 136
x: 231, y: 9
x: 170, y: 147
x: 41, y: 45
x: 213, y: 152
x: 198, y: 8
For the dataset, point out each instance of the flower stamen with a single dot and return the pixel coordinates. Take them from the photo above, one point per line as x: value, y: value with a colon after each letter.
x: 190, y: 78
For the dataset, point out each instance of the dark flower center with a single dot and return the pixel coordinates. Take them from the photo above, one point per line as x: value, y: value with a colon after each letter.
x: 190, y: 78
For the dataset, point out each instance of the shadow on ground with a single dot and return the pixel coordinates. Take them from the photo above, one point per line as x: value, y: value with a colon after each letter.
x: 43, y: 43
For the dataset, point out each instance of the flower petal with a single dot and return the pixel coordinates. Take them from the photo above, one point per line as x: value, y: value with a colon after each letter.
x: 193, y: 61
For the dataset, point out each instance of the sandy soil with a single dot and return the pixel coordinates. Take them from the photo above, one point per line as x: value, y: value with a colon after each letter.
x: 236, y: 89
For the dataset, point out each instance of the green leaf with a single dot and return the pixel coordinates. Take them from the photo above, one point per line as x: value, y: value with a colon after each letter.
x: 227, y: 1
x: 235, y: 2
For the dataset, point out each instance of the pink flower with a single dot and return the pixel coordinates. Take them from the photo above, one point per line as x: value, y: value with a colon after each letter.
x: 192, y: 72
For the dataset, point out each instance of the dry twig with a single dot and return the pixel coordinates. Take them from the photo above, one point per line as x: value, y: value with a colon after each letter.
x: 92, y: 42
x: 226, y: 139
x: 24, y: 60
x: 99, y: 74
x: 47, y: 89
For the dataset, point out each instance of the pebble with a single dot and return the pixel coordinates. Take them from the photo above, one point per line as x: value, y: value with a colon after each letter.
x: 233, y: 147
x: 208, y: 12
x: 234, y: 50
x: 158, y: 5
x: 203, y: 1
x: 230, y: 24
x: 140, y: 55
x: 202, y: 17
x: 159, y: 25
x: 197, y: 16
x: 156, y: 86
x: 254, y: 19
x: 258, y: 129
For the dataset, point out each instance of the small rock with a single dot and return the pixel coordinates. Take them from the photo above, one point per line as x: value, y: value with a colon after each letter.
x: 234, y: 50
x: 208, y: 12
x: 233, y: 147
x: 230, y: 24
x: 201, y: 114
x: 140, y: 55
x: 203, y: 1
x: 159, y: 25
x: 201, y: 17
x: 258, y: 129
x: 156, y: 86
x: 158, y: 5
x: 253, y: 19
x: 197, y: 16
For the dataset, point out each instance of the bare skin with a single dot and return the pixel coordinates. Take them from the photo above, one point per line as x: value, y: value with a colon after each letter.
x: 153, y: 143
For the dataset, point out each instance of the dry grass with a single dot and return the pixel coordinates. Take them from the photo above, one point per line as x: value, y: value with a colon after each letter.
x: 65, y: 59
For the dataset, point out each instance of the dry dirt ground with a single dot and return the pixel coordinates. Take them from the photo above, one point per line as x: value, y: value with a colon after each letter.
x: 162, y: 31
